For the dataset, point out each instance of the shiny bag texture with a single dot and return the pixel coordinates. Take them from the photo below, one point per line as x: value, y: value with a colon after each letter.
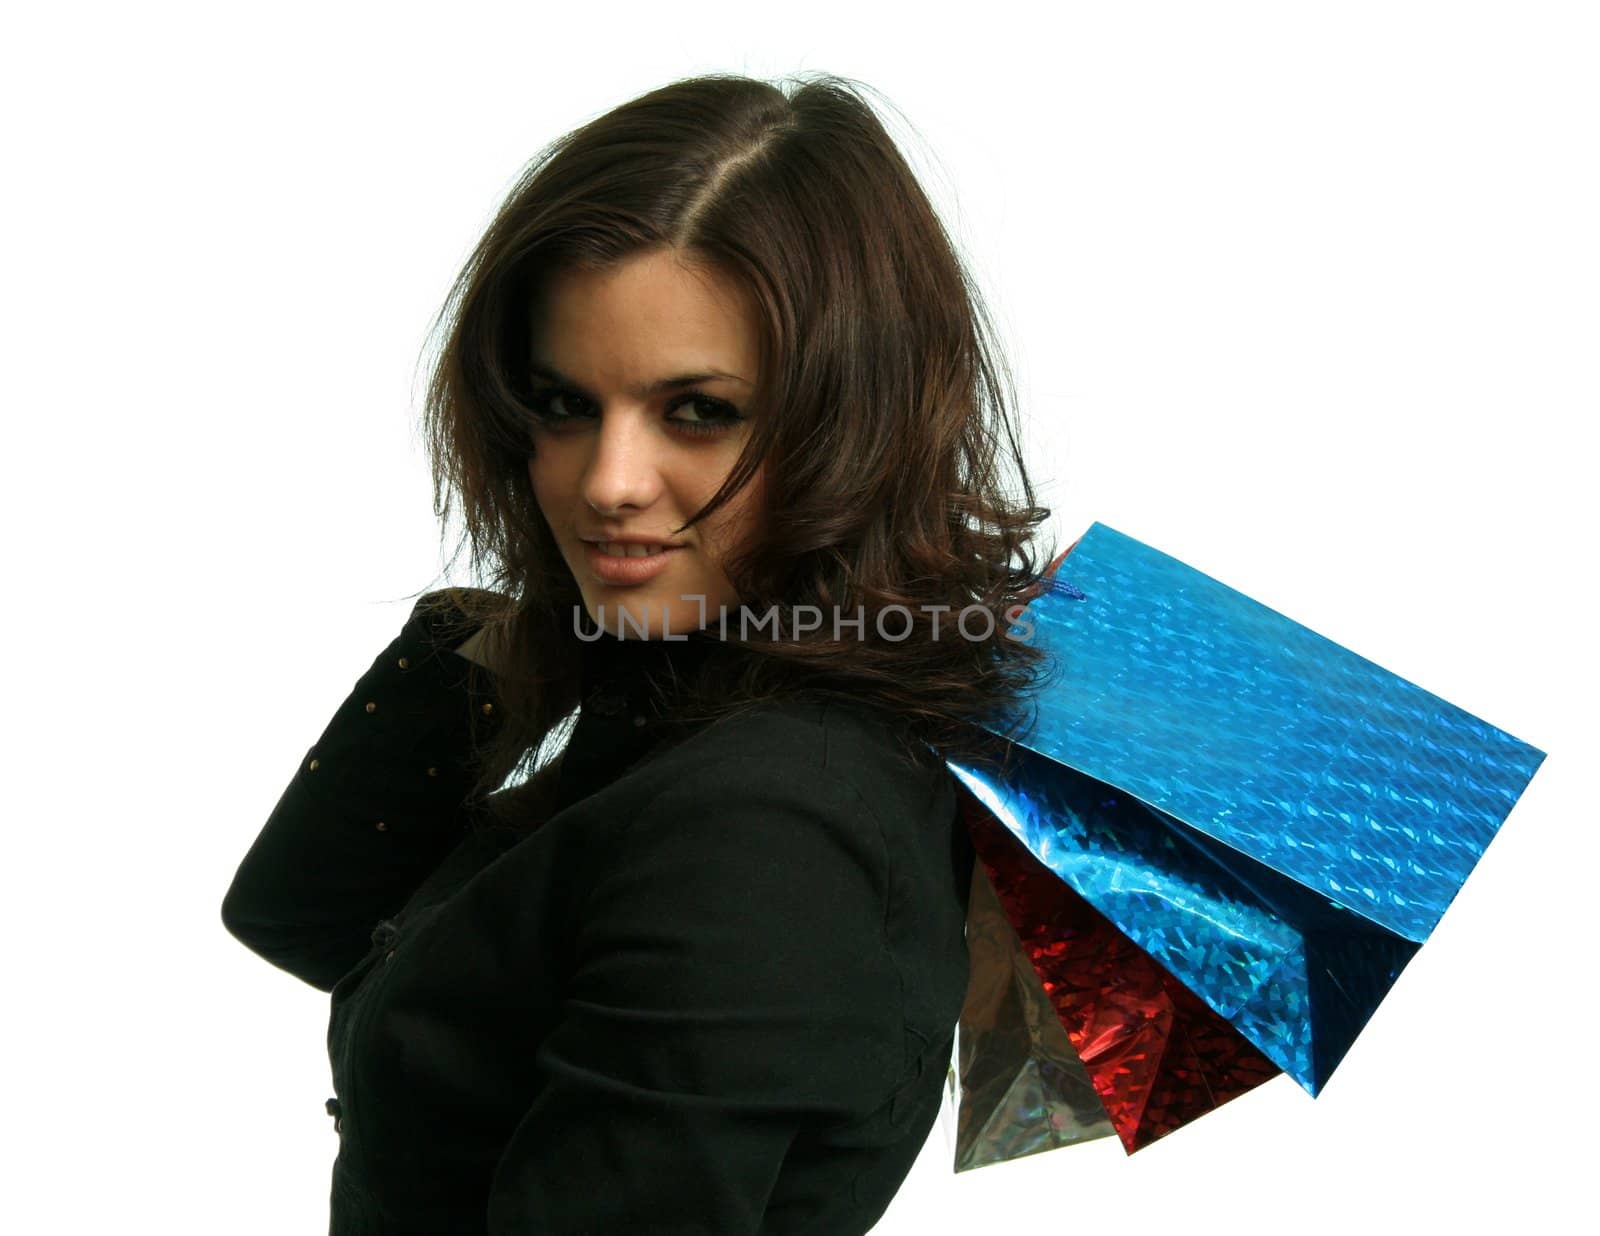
x: 1220, y: 839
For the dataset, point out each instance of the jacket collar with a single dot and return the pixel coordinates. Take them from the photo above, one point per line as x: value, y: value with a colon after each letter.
x: 626, y: 684
x: 638, y: 670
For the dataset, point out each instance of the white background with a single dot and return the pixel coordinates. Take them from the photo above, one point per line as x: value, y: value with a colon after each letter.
x: 1301, y: 294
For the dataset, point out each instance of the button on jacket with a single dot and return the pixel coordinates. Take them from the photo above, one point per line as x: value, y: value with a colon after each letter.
x: 714, y: 991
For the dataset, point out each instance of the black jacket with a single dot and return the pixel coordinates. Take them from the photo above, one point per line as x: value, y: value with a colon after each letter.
x: 714, y: 992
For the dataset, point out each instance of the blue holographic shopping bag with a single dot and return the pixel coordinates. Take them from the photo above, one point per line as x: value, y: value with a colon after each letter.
x: 1274, y: 821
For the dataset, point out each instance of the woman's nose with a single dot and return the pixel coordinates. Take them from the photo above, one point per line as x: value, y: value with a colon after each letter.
x: 624, y: 468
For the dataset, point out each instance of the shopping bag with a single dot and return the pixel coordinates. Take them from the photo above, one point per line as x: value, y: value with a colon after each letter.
x: 1220, y: 838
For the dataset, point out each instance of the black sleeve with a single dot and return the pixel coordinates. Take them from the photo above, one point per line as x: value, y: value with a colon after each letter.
x: 374, y: 805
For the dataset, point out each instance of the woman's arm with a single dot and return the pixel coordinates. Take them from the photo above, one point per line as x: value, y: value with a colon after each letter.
x: 373, y: 806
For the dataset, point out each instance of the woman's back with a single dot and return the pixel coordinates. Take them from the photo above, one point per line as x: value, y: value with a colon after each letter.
x: 714, y: 991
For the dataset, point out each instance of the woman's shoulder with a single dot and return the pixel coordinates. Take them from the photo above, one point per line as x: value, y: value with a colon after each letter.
x: 831, y: 746
x: 822, y: 732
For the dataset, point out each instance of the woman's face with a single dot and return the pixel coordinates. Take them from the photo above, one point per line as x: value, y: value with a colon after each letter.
x: 620, y: 454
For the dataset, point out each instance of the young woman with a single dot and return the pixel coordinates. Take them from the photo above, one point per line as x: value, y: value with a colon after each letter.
x: 723, y: 415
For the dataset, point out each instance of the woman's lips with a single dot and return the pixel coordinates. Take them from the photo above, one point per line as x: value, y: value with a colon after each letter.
x: 626, y: 571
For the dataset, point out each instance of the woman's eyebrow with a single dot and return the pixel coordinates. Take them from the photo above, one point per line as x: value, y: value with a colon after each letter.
x: 642, y: 392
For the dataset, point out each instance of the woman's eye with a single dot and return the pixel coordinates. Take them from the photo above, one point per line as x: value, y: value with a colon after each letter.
x: 544, y: 404
x: 551, y: 405
x: 711, y: 415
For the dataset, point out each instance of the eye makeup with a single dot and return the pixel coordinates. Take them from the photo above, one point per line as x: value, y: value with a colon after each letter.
x: 724, y: 415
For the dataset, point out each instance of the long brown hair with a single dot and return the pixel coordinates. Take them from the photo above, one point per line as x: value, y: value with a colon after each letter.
x: 882, y: 409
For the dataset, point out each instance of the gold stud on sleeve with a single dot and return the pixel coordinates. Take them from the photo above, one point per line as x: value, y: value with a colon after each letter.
x: 371, y: 706
x: 432, y: 772
x: 405, y: 663
x: 488, y: 709
x: 381, y: 826
x: 312, y: 767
